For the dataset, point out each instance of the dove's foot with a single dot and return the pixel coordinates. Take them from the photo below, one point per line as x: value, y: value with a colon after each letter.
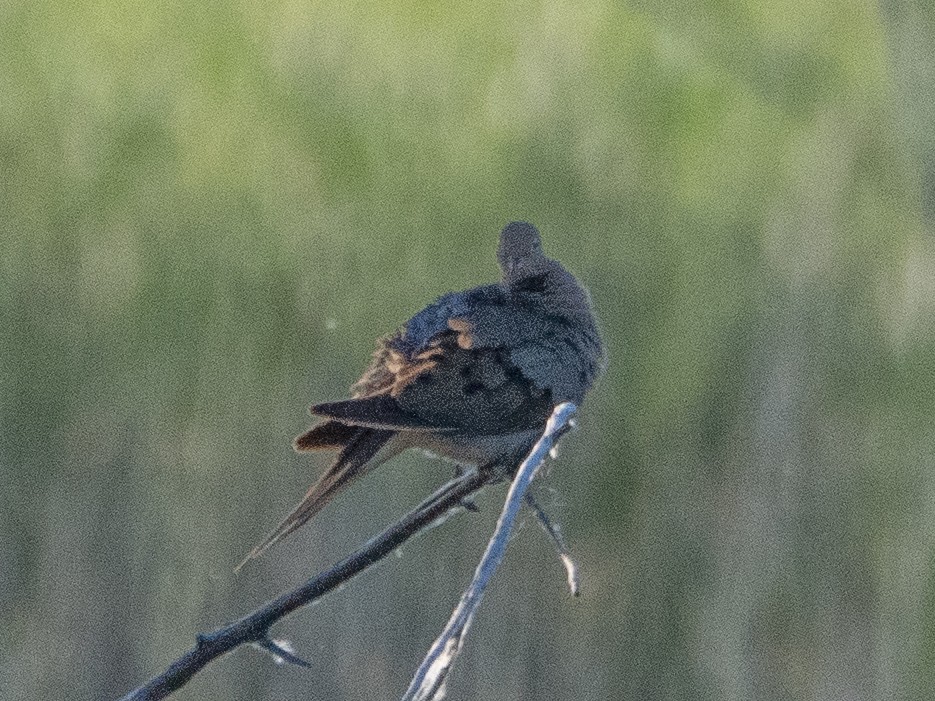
x: 470, y: 505
x: 468, y: 502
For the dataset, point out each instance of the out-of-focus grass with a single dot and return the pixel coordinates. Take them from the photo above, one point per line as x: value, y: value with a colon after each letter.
x: 209, y: 212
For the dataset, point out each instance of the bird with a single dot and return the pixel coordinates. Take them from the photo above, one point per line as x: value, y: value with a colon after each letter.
x: 472, y: 378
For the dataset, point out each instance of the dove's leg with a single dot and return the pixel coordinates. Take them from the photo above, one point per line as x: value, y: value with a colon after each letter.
x: 468, y: 502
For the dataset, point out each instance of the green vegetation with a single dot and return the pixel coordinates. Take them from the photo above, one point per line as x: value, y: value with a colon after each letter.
x: 208, y: 211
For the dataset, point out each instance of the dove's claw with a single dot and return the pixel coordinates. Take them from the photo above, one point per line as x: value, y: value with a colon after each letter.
x: 470, y: 505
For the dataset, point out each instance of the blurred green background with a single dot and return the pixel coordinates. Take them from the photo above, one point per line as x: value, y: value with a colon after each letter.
x: 208, y: 211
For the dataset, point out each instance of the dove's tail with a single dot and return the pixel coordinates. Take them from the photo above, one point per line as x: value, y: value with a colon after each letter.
x: 359, y: 447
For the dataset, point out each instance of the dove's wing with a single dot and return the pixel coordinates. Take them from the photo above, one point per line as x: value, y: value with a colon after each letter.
x: 504, y: 326
x: 443, y: 388
x: 422, y: 330
x: 567, y: 365
x: 553, y: 353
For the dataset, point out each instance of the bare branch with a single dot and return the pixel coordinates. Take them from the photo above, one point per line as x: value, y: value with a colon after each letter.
x: 558, y: 540
x: 429, y: 681
x: 254, y: 627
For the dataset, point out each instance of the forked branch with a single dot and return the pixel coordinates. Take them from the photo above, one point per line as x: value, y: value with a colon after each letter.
x: 429, y: 681
x: 254, y: 628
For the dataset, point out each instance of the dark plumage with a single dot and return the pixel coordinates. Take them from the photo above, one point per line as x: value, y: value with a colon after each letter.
x: 472, y: 377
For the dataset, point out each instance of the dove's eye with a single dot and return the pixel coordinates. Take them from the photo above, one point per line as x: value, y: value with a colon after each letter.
x: 536, y: 283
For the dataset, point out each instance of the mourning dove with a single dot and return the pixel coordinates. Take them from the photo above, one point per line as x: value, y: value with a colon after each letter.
x: 473, y: 377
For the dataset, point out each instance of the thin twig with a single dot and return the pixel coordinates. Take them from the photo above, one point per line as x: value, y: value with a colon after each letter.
x: 429, y: 681
x: 281, y: 653
x: 254, y: 627
x: 558, y: 540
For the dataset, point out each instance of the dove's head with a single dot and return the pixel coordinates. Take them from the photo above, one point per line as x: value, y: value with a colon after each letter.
x: 535, y: 278
x: 520, y: 251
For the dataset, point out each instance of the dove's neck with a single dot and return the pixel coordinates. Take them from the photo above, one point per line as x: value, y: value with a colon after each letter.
x: 521, y: 273
x: 545, y: 285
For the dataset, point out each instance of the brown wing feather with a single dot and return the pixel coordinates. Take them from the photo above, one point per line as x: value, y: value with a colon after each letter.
x: 381, y: 373
x: 477, y: 390
x: 447, y: 387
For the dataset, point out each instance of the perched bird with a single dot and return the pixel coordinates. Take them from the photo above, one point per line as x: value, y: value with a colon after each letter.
x: 473, y: 377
